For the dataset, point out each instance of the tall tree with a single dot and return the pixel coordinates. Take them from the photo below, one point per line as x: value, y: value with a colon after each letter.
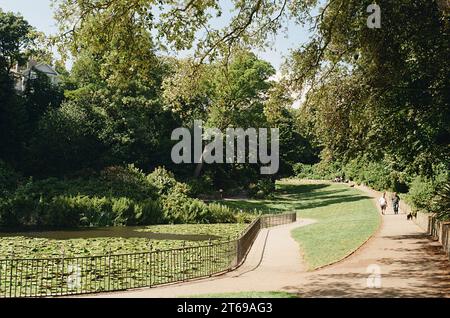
x: 381, y: 91
x: 14, y: 39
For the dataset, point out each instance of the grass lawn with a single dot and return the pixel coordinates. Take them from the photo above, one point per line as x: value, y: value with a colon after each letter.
x: 345, y: 217
x: 248, y: 295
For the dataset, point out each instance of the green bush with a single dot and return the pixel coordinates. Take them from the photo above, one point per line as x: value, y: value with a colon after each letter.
x: 421, y: 194
x: 165, y: 182
x: 179, y: 208
x: 222, y: 214
x: 17, y: 211
x: 262, y: 188
x: 442, y: 201
x: 377, y: 176
x: 62, y: 211
x: 320, y: 171
x: 8, y: 179
x: 201, y: 185
x: 149, y: 212
x: 123, y: 211
x: 303, y: 171
x: 117, y: 196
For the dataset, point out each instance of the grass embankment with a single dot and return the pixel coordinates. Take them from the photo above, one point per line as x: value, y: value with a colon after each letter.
x: 345, y: 217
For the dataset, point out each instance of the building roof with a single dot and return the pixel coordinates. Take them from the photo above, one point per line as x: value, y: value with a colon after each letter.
x: 41, y: 67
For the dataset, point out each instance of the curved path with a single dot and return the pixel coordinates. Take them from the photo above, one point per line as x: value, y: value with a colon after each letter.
x: 410, y: 265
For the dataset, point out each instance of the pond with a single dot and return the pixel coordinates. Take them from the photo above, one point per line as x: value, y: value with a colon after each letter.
x: 106, y: 232
x: 116, y: 240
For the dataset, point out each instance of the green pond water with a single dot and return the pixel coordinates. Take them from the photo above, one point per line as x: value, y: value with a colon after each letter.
x: 122, y: 232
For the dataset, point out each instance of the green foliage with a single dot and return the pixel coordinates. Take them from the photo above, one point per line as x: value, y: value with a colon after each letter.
x: 201, y: 185
x: 262, y: 188
x: 9, y: 178
x: 430, y: 195
x: 370, y: 100
x: 223, y: 214
x: 15, y: 35
x: 421, y: 194
x: 41, y: 96
x: 165, y: 182
x: 302, y: 170
x: 179, y: 209
x: 115, y: 197
x: 442, y: 201
x: 320, y: 171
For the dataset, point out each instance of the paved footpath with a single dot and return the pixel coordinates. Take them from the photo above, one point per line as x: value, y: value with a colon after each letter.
x: 410, y: 265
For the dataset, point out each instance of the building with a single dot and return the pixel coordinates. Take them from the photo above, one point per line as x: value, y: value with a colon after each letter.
x: 22, y: 75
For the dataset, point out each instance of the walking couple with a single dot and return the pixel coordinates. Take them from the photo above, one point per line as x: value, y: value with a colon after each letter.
x: 395, y: 203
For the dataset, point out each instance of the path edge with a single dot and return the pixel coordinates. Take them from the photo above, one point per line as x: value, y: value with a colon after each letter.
x: 363, y: 244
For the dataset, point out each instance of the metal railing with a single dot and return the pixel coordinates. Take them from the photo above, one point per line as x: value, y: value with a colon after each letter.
x: 92, y: 274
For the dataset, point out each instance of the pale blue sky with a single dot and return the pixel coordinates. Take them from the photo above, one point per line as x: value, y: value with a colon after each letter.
x: 40, y: 14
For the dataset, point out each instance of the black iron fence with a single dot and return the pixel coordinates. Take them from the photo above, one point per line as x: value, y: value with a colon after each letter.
x: 92, y: 274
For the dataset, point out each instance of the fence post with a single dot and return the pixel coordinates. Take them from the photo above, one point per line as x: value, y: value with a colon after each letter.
x: 62, y: 270
x: 150, y: 263
x: 210, y: 252
x: 109, y: 269
x: 230, y: 255
x: 11, y: 274
x: 183, y: 255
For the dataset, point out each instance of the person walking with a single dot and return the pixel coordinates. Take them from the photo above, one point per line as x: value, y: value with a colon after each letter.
x: 395, y: 202
x: 383, y: 203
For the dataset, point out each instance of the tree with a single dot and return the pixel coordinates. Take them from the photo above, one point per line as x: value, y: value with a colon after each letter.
x: 294, y: 147
x: 172, y: 24
x: 380, y: 91
x: 240, y: 90
x: 14, y: 40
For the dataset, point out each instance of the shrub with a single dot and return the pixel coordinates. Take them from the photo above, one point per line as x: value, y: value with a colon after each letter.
x: 127, y: 181
x: 61, y: 211
x: 149, y: 212
x: 222, y: 214
x: 165, y: 182
x: 262, y: 188
x: 117, y: 196
x: 179, y: 208
x: 95, y: 211
x: 303, y: 171
x: 421, y: 194
x: 123, y: 211
x: 8, y: 179
x: 18, y: 210
x: 377, y: 176
x: 442, y: 201
x: 202, y: 185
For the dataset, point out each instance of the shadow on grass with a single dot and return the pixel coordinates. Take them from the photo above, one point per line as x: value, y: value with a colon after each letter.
x: 300, y: 188
x: 292, y: 197
x: 329, y: 201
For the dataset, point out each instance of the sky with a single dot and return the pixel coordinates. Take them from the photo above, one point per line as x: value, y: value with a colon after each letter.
x: 39, y: 14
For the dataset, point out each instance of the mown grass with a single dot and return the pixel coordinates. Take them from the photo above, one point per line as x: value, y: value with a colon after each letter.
x: 345, y: 217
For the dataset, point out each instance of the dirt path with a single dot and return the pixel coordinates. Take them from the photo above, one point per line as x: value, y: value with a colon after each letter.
x: 410, y: 266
